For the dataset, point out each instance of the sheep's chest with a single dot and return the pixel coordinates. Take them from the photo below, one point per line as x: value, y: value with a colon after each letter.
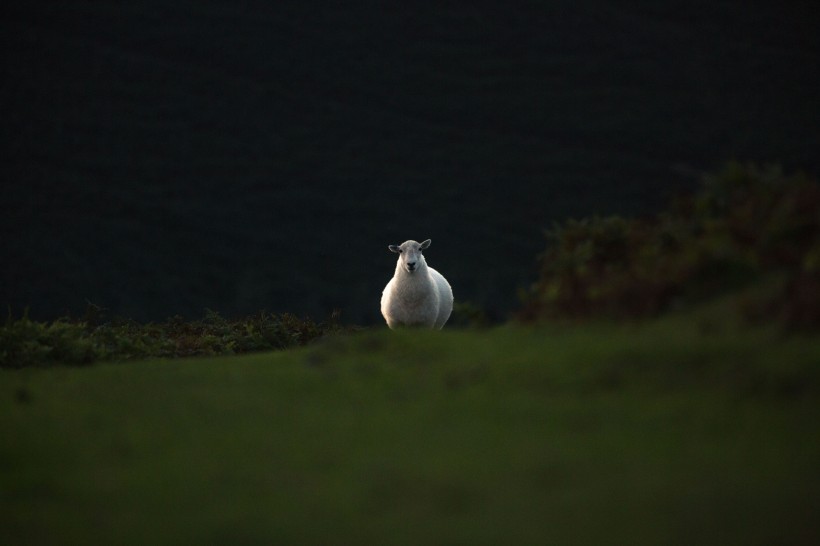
x: 416, y: 301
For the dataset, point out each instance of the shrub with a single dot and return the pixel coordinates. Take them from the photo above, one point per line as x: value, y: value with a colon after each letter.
x: 467, y: 314
x: 26, y: 343
x: 744, y: 225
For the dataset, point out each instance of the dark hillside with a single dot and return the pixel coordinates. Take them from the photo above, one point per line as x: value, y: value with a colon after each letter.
x: 164, y: 157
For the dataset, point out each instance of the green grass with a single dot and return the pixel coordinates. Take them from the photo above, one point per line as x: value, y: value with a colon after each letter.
x: 671, y: 432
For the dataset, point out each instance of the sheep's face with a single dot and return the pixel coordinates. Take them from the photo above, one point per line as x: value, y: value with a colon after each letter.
x: 410, y: 256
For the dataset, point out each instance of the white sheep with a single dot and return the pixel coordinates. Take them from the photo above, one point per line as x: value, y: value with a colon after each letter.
x: 417, y: 295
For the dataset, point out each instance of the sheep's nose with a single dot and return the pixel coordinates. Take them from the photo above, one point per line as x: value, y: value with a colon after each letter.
x: 411, y: 265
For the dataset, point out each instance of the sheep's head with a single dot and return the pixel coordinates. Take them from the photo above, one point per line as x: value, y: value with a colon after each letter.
x: 410, y: 256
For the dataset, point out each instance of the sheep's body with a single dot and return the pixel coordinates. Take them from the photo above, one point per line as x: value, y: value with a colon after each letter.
x: 417, y: 295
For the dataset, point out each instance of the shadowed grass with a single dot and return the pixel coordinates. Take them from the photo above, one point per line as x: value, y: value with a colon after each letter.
x: 661, y: 433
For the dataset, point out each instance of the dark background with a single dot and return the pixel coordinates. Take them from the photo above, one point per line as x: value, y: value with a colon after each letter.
x: 164, y: 157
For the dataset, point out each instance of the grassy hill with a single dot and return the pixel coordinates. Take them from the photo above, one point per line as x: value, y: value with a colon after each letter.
x: 684, y: 430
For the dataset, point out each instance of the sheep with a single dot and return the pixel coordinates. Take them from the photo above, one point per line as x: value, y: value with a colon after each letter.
x: 417, y: 295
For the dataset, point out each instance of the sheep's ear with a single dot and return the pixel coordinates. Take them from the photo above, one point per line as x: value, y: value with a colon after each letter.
x: 425, y: 244
x: 394, y: 248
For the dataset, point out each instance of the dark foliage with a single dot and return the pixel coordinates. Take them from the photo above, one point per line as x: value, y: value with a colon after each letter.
x: 746, y: 225
x: 467, y: 314
x: 25, y: 343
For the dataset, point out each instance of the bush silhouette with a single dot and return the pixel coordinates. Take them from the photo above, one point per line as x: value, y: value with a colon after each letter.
x: 27, y: 343
x: 745, y: 225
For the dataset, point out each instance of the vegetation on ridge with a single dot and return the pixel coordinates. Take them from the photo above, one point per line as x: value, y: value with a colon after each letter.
x: 25, y: 343
x: 747, y: 225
